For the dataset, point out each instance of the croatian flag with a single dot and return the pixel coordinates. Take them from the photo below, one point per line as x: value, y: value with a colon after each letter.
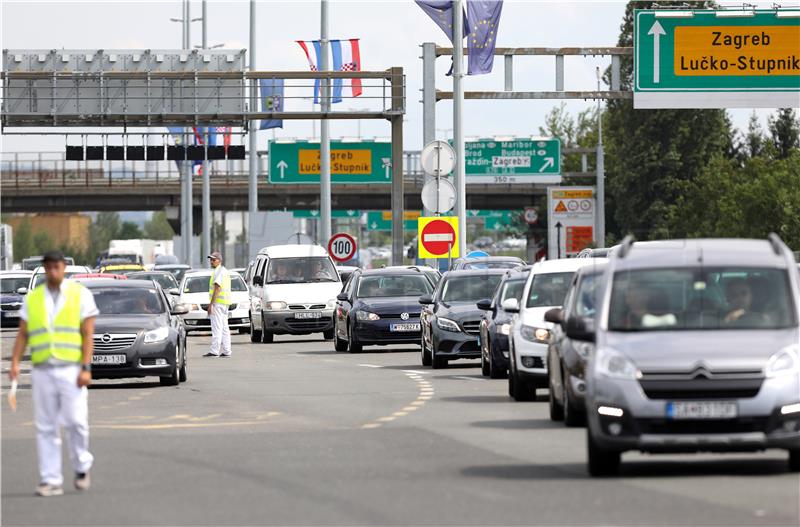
x: 346, y: 57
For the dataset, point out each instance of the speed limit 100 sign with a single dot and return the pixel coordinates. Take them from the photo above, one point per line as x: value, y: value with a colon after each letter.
x: 342, y: 247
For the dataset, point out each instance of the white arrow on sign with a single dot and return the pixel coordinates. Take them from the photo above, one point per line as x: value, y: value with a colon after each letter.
x: 657, y: 30
x: 548, y: 162
x: 387, y: 165
x: 282, y: 166
x: 374, y: 225
x: 351, y: 212
x: 474, y: 212
x: 314, y: 212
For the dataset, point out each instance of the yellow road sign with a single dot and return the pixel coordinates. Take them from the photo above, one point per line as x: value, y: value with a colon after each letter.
x: 437, y: 237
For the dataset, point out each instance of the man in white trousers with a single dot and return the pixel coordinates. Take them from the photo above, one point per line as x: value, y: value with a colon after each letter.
x: 219, y: 291
x: 57, y: 324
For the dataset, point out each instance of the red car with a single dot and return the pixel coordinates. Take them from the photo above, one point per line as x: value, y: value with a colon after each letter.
x: 96, y: 276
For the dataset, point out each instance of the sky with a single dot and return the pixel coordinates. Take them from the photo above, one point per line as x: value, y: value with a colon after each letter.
x: 390, y: 31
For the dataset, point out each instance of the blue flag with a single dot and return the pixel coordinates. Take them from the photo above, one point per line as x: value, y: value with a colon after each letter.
x: 441, y: 11
x: 484, y: 19
x: 271, y: 101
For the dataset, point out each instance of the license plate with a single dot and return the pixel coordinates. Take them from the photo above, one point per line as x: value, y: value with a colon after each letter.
x: 108, y: 359
x: 11, y: 314
x: 702, y: 410
x: 309, y: 314
x: 404, y: 327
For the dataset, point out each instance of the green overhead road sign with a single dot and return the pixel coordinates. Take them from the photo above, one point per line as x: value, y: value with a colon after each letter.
x: 717, y: 59
x: 336, y: 213
x: 359, y: 162
x: 513, y: 161
x: 378, y: 220
x: 481, y: 213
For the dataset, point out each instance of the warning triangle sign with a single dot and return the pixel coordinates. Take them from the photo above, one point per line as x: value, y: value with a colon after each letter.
x: 561, y: 207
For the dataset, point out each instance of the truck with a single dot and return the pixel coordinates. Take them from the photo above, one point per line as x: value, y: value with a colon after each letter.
x: 143, y: 252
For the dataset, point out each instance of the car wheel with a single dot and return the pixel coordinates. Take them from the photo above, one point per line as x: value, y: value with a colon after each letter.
x: 601, y: 461
x: 243, y: 331
x: 328, y: 335
x: 339, y: 344
x: 255, y: 334
x: 494, y: 371
x: 522, y: 392
x: 425, y: 352
x: 572, y: 417
x: 353, y: 346
x: 794, y: 460
x: 175, y: 378
x: 182, y: 372
x: 556, y: 408
x: 485, y: 371
x: 437, y: 363
x: 266, y: 336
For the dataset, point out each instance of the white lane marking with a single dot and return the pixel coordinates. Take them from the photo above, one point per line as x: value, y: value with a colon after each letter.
x: 370, y: 366
x: 386, y: 419
x: 417, y: 372
x: 468, y: 378
x: 371, y: 425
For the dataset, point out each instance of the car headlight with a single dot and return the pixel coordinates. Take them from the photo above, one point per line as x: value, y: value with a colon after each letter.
x: 533, y: 334
x: 447, y: 324
x: 156, y: 335
x: 331, y: 303
x: 504, y: 329
x: 614, y: 364
x: 366, y: 315
x: 584, y: 349
x: 785, y: 362
x: 275, y: 306
x: 193, y: 307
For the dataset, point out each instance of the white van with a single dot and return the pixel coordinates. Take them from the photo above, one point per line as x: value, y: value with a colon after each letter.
x: 293, y: 291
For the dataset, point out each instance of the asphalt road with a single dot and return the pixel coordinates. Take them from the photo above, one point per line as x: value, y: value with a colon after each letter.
x: 294, y: 433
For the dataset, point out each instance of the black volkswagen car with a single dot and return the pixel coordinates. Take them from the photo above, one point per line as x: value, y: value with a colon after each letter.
x: 379, y: 306
x: 450, y: 317
x: 496, y: 323
x: 137, y: 334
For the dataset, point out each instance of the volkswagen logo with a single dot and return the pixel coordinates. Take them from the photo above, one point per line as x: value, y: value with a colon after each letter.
x: 403, y: 316
x: 106, y: 338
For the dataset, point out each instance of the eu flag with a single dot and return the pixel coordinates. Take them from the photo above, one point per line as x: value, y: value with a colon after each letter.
x: 484, y: 18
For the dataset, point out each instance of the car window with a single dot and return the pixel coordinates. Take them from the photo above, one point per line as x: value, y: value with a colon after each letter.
x: 512, y: 289
x: 196, y: 284
x: 11, y: 284
x: 549, y: 289
x: 237, y: 283
x: 301, y: 270
x: 701, y: 298
x: 393, y: 286
x: 491, y: 265
x: 587, y: 296
x: 166, y: 281
x: 469, y: 288
x: 127, y: 301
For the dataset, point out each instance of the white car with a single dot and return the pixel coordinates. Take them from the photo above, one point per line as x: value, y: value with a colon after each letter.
x: 529, y: 335
x: 38, y: 275
x: 293, y: 291
x: 194, y: 295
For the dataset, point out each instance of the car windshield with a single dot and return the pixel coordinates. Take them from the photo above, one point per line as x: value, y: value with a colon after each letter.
x: 398, y: 285
x: 128, y: 301
x: 433, y: 276
x: 120, y: 270
x: 39, y: 278
x: 166, y: 281
x: 469, y: 288
x: 12, y: 283
x: 588, y: 296
x: 502, y: 264
x: 177, y: 272
x: 512, y: 289
x: 301, y: 270
x: 237, y: 283
x: 701, y: 298
x: 549, y: 289
x: 199, y: 284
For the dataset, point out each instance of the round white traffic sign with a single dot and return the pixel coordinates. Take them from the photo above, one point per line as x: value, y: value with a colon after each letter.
x: 531, y: 216
x: 342, y: 247
x: 437, y: 158
x: 439, y: 195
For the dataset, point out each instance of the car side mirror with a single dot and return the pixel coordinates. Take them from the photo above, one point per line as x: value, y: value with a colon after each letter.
x: 258, y: 280
x: 174, y: 291
x: 578, y: 328
x: 511, y: 305
x: 554, y: 316
x: 22, y: 291
x: 342, y: 297
x: 485, y: 304
x: 426, y: 300
x: 179, y: 309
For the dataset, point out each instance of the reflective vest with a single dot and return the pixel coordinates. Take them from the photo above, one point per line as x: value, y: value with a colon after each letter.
x: 224, y: 295
x: 63, y: 341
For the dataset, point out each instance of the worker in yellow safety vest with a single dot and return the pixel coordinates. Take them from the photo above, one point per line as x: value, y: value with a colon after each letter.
x: 219, y: 292
x: 57, y: 325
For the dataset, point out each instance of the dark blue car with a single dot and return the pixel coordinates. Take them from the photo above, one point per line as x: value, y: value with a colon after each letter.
x: 379, y: 306
x: 496, y: 323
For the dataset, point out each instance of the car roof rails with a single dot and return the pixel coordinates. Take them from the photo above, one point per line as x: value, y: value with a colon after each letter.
x: 625, y: 246
x: 776, y: 243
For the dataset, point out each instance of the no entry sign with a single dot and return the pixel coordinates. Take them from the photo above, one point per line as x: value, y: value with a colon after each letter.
x: 437, y: 238
x: 342, y: 247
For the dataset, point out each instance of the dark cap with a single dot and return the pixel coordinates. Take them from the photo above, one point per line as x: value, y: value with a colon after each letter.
x: 216, y: 255
x: 53, y: 256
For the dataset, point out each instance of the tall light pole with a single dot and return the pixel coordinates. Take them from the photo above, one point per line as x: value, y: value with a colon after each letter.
x: 206, y: 199
x: 324, y: 134
x: 458, y: 130
x: 601, y: 175
x: 187, y: 227
x: 252, y: 200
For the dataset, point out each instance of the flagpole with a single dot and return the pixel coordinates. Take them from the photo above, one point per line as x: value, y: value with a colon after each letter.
x: 458, y: 131
x: 252, y: 199
x: 324, y: 134
x: 206, y: 197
